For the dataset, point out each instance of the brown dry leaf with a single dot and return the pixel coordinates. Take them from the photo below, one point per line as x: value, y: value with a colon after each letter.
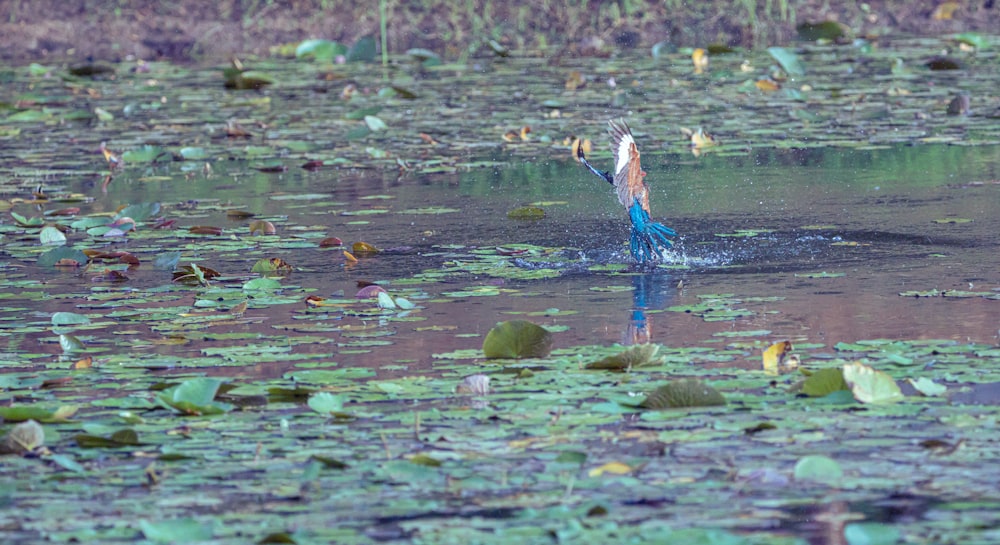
x: 429, y: 139
x: 575, y: 81
x: 65, y: 212
x: 477, y: 384
x: 23, y: 438
x: 235, y: 130
x: 236, y: 214
x: 330, y: 242
x: 509, y: 136
x: 265, y: 227
x: 205, y: 230
x: 239, y: 309
x: 525, y: 131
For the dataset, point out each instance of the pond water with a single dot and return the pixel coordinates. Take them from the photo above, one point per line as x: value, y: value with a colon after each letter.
x: 811, y: 245
x: 847, y: 210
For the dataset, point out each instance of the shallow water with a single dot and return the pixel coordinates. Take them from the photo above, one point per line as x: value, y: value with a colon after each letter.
x: 820, y: 243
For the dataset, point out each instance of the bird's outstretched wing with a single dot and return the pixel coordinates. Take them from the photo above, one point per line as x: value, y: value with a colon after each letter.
x: 646, y: 236
x: 628, y: 177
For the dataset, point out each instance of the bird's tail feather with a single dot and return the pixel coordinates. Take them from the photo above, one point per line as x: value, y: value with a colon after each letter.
x: 647, y: 236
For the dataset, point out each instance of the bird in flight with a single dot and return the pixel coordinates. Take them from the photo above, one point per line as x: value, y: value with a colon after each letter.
x: 647, y: 236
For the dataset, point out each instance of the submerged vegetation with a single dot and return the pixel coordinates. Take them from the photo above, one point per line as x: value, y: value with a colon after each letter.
x: 312, y: 299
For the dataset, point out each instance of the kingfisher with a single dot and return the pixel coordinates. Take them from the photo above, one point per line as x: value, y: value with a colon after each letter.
x: 647, y: 236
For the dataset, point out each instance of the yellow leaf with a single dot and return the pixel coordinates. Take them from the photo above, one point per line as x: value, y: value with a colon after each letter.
x: 945, y: 11
x: 615, y: 468
x: 767, y: 85
x: 775, y: 355
x: 700, y: 59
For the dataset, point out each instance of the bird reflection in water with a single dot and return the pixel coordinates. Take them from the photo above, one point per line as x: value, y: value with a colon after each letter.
x: 650, y: 291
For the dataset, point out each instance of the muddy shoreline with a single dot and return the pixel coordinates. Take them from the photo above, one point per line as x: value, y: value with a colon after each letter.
x: 53, y: 31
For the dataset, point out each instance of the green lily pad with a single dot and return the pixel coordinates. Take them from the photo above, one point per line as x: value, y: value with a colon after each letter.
x: 363, y: 50
x: 185, y: 530
x: 871, y: 533
x: 825, y: 30
x: 632, y: 357
x: 69, y: 318
x: 320, y: 50
x: 517, y: 339
x: 21, y: 413
x: 194, y: 396
x: 788, y: 60
x: 818, y: 468
x: 824, y: 382
x: 683, y: 393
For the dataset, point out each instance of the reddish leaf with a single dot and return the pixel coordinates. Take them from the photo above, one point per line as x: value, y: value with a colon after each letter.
x: 370, y: 292
x: 205, y: 230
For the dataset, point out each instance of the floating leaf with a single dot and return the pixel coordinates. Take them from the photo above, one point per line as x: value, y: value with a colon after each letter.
x: 526, y: 213
x: 777, y: 358
x: 205, y: 230
x: 69, y: 319
x: 70, y: 343
x: 375, y: 124
x: 50, y: 235
x: 927, y: 387
x: 871, y: 386
x: 194, y: 396
x: 826, y: 30
x: 945, y: 11
x: 27, y: 222
x: 639, y: 355
x: 614, y: 468
x: 871, y: 533
x: 385, y: 300
x: 818, y: 468
x: 326, y: 403
x: 478, y: 385
x: 263, y: 227
x: 683, y: 393
x: 28, y: 412
x: 363, y: 50
x: 23, y: 438
x: 320, y: 50
x: 788, y: 60
x: 271, y: 266
x: 146, y: 154
x: 824, y: 382
x: 517, y: 339
x: 363, y: 249
x: 973, y: 39
x: 185, y: 530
